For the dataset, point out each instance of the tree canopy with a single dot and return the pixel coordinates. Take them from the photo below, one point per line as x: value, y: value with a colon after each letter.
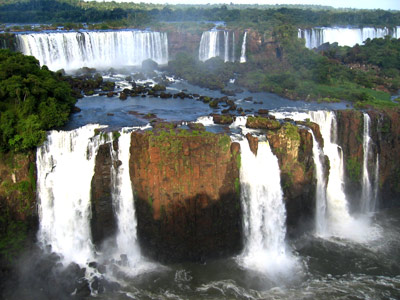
x: 32, y: 100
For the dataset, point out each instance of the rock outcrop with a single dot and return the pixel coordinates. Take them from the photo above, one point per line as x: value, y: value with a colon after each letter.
x: 350, y: 137
x: 293, y: 148
x: 187, y: 194
x: 385, y: 132
x: 103, y: 222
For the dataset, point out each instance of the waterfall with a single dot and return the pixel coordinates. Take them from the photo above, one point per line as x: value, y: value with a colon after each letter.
x: 243, y: 52
x: 264, y: 212
x: 211, y: 45
x: 73, y: 50
x: 315, y: 37
x: 339, y: 221
x: 320, y: 193
x: 369, y: 192
x: 65, y: 167
x: 226, y: 46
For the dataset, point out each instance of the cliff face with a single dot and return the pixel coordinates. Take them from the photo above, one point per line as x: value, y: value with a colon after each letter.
x: 293, y: 148
x: 350, y: 124
x: 385, y: 135
x: 187, y: 194
x: 18, y: 217
x: 180, y: 41
x: 385, y: 131
x: 103, y: 223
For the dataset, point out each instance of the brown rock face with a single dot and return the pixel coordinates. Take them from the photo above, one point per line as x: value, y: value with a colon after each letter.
x: 385, y: 132
x: 293, y: 148
x: 253, y: 143
x: 103, y: 222
x: 350, y: 137
x: 180, y: 41
x: 17, y: 187
x: 187, y: 194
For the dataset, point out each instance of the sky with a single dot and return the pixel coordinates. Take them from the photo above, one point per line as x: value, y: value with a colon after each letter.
x: 369, y: 4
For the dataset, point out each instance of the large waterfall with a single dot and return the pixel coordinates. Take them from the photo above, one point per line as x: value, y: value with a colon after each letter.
x: 344, y: 36
x: 264, y: 212
x: 65, y: 167
x: 96, y: 49
x: 220, y: 43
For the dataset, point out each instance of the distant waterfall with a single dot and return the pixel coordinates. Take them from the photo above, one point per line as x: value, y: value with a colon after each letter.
x: 315, y: 37
x: 368, y: 194
x: 264, y: 212
x: 65, y: 167
x: 243, y: 52
x: 219, y: 43
x: 124, y: 202
x: 95, y: 49
x: 320, y: 193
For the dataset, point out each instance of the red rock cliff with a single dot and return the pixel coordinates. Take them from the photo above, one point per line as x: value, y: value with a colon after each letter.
x: 187, y: 194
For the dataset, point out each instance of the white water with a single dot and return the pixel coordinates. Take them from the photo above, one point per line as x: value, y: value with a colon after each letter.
x: 264, y: 212
x: 73, y: 50
x: 211, y: 45
x: 243, y: 52
x: 369, y: 191
x: 320, y: 193
x: 366, y: 192
x: 344, y: 36
x: 65, y: 167
x: 339, y: 221
x: 123, y: 199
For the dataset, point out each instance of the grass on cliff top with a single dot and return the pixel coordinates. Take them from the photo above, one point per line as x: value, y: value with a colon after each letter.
x: 172, y: 136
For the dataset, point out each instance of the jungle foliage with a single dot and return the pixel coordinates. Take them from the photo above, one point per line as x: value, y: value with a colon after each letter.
x: 32, y: 100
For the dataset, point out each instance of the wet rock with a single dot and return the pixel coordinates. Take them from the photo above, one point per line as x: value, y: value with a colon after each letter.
x: 262, y: 111
x: 253, y: 143
x: 149, y: 65
x: 222, y: 119
x: 262, y: 123
x: 76, y: 109
x: 123, y: 96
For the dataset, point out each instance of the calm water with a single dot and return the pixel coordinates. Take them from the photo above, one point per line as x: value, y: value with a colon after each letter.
x: 115, y: 113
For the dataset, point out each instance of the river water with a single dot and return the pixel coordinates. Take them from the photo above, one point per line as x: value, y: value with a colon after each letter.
x: 327, y: 269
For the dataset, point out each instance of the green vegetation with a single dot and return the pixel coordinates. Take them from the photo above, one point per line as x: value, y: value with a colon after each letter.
x: 112, y: 14
x: 353, y: 167
x: 291, y: 131
x: 32, y: 100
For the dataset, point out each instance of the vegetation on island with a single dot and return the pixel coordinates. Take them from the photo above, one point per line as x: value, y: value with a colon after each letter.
x: 32, y: 101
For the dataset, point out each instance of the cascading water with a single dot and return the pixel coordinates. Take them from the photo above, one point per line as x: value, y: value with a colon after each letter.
x: 369, y: 192
x: 243, y: 52
x: 320, y: 193
x: 209, y: 45
x: 65, y: 167
x: 220, y: 43
x: 337, y: 213
x: 73, y: 50
x: 123, y: 199
x: 264, y: 212
x: 315, y: 37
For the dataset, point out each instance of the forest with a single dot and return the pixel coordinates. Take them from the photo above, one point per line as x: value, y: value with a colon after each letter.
x: 139, y: 14
x: 32, y: 101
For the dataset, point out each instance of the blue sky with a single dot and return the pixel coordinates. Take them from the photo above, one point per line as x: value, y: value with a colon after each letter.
x: 370, y: 4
